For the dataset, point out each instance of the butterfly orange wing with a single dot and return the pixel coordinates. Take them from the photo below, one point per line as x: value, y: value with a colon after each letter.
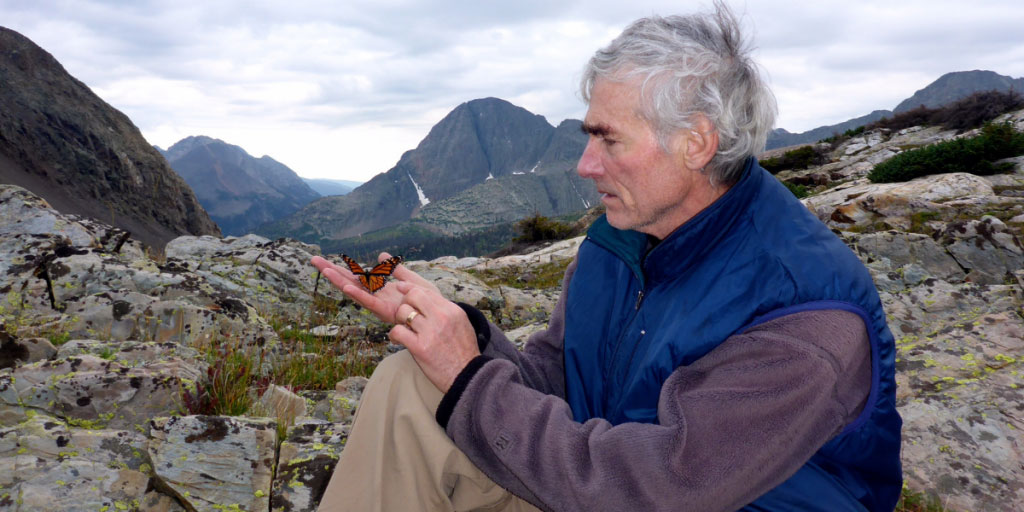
x: 376, y: 278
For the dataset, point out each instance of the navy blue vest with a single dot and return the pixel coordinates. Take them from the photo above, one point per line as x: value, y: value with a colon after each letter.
x: 757, y: 253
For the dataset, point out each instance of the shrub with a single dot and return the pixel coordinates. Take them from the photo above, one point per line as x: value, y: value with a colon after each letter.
x: 974, y: 155
x: 964, y: 114
x: 977, y: 109
x: 799, y: 191
x: 799, y: 158
x: 538, y: 228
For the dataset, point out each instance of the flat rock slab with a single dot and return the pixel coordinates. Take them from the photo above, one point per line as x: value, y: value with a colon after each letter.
x: 92, y: 392
x: 305, y: 464
x: 215, y: 463
x: 47, y: 466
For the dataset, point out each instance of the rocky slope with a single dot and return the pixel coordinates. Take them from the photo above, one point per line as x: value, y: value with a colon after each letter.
x: 239, y: 191
x: 100, y: 344
x: 469, y: 152
x: 84, y: 157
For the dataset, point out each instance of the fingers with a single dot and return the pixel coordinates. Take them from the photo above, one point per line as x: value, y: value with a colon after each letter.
x: 403, y: 273
x: 424, y: 301
x: 408, y: 315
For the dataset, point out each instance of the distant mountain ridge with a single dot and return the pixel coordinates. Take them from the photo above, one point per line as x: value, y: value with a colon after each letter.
x: 944, y: 90
x: 329, y: 187
x: 475, y: 147
x: 239, y: 191
x: 65, y: 144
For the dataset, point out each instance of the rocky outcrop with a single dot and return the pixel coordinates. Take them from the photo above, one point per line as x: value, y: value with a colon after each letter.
x: 240, y: 192
x: 106, y: 347
x: 67, y: 145
x: 105, y: 350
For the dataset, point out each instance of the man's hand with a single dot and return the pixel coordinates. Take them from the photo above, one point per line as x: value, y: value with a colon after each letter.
x: 439, y: 335
x: 386, y: 300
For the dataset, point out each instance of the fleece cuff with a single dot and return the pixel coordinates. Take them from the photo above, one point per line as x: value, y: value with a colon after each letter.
x: 451, y: 398
x: 480, y: 325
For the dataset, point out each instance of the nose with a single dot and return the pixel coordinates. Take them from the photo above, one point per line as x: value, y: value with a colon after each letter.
x: 589, y: 165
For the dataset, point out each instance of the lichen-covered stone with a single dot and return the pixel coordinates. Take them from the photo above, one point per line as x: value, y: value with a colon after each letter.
x: 93, y: 392
x: 305, y: 465
x: 214, y: 463
x: 47, y: 466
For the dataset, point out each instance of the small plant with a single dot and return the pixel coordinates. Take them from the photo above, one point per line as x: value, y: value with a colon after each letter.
x: 919, y: 221
x: 232, y: 372
x: 974, y: 155
x: 913, y: 501
x: 799, y: 191
x: 107, y: 353
x: 548, y: 275
x: 799, y: 158
x: 538, y: 228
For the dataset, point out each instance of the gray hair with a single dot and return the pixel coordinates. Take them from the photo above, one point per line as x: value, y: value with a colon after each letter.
x: 689, y: 65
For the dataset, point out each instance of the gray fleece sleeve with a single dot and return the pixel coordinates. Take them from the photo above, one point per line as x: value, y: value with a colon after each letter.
x: 732, y: 425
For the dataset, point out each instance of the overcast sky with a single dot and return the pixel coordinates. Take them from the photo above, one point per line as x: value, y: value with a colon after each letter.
x: 340, y: 89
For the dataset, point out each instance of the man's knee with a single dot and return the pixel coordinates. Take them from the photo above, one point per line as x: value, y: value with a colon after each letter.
x: 396, y: 364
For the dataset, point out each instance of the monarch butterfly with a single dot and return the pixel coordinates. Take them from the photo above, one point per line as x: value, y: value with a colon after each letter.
x: 375, y: 278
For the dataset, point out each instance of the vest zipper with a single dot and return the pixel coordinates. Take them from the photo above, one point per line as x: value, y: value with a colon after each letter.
x: 639, y: 299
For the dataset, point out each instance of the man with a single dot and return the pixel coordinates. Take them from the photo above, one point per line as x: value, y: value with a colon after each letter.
x: 715, y: 347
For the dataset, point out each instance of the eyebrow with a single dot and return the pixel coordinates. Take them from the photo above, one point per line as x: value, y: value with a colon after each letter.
x: 597, y: 130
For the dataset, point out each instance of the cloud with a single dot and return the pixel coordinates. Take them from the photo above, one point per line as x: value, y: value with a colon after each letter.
x: 341, y: 89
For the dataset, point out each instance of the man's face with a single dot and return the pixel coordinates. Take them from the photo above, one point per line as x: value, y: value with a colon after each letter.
x: 643, y: 188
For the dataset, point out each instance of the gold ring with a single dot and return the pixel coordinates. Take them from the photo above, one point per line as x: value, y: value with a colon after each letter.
x: 408, y: 319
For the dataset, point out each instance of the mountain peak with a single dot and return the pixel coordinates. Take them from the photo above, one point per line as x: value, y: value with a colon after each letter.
x: 240, y: 191
x: 958, y: 84
x: 66, y: 144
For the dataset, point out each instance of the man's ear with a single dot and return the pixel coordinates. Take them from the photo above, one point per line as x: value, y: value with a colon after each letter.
x: 701, y: 143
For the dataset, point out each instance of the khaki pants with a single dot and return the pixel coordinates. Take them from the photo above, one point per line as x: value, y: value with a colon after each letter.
x: 398, y: 458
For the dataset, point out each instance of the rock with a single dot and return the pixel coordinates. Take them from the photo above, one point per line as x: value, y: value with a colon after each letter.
x: 899, y: 250
x: 14, y: 351
x: 985, y: 248
x: 345, y: 400
x: 215, y: 462
x: 525, y: 306
x: 306, y: 462
x: 861, y: 202
x: 46, y: 466
x: 282, y: 404
x: 960, y: 350
x: 92, y: 392
x: 132, y: 353
x: 24, y: 213
x: 205, y: 247
x: 520, y: 335
x: 562, y: 250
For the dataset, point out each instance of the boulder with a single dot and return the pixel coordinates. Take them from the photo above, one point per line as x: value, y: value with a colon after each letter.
x: 215, y: 463
x: 93, y: 392
x: 48, y: 466
x: 305, y: 464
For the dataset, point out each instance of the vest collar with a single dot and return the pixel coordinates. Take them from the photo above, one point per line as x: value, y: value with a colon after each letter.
x: 690, y: 241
